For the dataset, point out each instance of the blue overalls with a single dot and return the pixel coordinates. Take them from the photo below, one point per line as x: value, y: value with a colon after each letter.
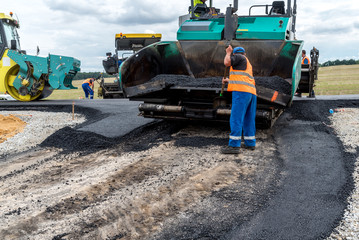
x: 242, y: 119
x: 87, y: 89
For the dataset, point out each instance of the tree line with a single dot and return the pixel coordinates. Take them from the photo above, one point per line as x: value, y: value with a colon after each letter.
x: 340, y: 62
x: 85, y: 75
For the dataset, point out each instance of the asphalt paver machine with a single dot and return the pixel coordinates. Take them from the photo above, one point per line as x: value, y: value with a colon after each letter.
x: 182, y: 79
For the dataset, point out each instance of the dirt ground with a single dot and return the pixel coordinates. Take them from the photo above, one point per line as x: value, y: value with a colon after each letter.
x: 9, y: 126
x: 128, y: 191
x: 164, y: 181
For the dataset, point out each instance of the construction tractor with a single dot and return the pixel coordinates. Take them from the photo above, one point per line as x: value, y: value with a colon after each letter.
x: 123, y: 42
x: 182, y: 79
x: 25, y: 77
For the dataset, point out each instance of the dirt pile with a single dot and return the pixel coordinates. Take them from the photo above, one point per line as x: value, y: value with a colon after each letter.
x: 10, y: 126
x: 39, y: 125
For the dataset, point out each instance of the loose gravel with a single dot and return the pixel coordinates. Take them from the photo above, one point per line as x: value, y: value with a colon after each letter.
x: 40, y: 125
x: 345, y: 122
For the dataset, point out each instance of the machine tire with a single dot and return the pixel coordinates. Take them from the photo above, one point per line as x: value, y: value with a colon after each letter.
x: 46, y: 92
x: 12, y: 91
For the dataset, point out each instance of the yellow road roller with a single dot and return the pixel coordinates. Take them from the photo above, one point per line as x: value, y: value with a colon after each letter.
x: 26, y: 77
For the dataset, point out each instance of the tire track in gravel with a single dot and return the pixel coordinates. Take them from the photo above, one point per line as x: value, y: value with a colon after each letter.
x: 133, y: 195
x: 21, y: 162
x: 38, y: 177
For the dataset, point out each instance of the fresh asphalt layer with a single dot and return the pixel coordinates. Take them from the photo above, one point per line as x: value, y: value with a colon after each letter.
x: 314, y: 182
x: 314, y: 185
x: 111, y: 118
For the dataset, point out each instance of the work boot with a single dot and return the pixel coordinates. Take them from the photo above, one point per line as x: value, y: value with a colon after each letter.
x: 230, y: 150
x: 252, y: 148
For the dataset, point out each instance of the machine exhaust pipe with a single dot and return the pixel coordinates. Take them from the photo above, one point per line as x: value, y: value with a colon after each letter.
x: 264, y: 118
x: 235, y: 6
x: 224, y: 112
x: 159, y: 108
x: 148, y: 107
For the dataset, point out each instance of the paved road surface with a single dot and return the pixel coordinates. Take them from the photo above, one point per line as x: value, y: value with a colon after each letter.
x: 117, y: 116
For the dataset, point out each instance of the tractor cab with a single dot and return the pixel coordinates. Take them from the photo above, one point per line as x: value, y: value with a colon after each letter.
x: 126, y: 44
x: 132, y: 42
x: 9, y: 37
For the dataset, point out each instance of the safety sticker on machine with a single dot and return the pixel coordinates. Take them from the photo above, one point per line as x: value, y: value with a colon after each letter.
x: 6, y: 62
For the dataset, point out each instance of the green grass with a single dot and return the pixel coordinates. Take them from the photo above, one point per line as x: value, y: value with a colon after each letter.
x: 338, y: 80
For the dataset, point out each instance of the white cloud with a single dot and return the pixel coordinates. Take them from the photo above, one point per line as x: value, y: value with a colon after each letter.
x: 86, y: 29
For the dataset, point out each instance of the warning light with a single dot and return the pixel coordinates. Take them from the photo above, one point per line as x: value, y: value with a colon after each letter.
x: 11, y: 14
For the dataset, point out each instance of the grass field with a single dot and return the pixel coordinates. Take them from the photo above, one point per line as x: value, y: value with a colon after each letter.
x: 338, y: 80
x: 334, y: 80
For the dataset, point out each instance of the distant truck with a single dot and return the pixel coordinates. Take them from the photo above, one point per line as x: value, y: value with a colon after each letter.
x: 123, y: 42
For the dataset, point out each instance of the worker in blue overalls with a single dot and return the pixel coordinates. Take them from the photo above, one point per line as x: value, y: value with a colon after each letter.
x: 88, y: 86
x: 244, y: 100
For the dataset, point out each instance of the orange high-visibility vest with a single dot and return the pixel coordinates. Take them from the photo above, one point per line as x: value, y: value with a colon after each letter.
x: 242, y: 80
x: 88, y: 81
x: 307, y: 59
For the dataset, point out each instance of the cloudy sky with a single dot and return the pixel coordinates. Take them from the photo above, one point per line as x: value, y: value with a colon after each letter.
x: 86, y: 29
